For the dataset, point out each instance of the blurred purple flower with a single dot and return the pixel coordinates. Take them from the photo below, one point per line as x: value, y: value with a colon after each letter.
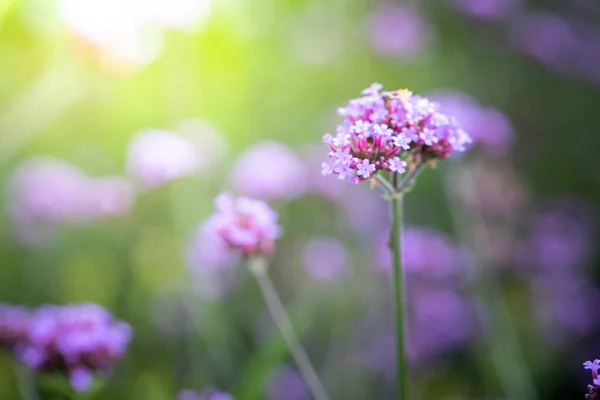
x: 567, y: 46
x: 488, y: 127
x: 288, y: 384
x: 44, y: 193
x: 565, y: 303
x: 548, y: 38
x: 269, y: 171
x: 82, y: 339
x: 206, y: 394
x: 156, y: 157
x: 110, y: 196
x: 439, y: 321
x: 561, y: 236
x: 426, y: 253
x: 365, y: 211
x: 398, y: 31
x: 14, y: 324
x: 453, y: 316
x: 324, y: 259
x: 488, y: 9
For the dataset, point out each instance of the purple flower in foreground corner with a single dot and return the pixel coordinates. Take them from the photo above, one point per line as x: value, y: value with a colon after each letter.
x: 594, y: 390
x: 206, y: 394
x: 83, y: 339
x: 324, y: 259
x: 244, y: 225
x: 386, y: 131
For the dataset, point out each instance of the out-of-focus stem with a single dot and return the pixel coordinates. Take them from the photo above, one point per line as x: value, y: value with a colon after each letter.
x: 395, y: 243
x: 25, y: 382
x: 497, y: 324
x: 409, y: 178
x: 281, y: 319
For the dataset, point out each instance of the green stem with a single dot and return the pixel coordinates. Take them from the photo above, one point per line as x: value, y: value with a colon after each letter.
x: 281, y: 319
x: 398, y: 278
x: 25, y: 382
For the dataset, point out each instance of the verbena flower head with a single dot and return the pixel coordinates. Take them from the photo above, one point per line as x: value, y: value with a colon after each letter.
x: 14, y: 323
x: 389, y: 131
x: 82, y: 339
x: 594, y: 389
x: 244, y: 225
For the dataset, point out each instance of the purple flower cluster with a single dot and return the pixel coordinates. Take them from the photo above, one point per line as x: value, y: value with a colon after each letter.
x: 389, y: 131
x: 82, y: 339
x: 594, y: 389
x: 206, y: 394
x: 45, y: 192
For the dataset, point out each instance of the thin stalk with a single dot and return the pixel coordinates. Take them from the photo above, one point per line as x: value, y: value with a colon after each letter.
x: 409, y: 179
x: 25, y: 382
x: 281, y: 319
x: 398, y: 278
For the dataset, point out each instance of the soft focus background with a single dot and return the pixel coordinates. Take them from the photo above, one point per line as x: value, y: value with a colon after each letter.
x: 121, y: 120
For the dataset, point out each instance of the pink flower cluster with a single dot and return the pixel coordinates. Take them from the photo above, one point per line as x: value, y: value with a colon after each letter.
x: 244, y: 225
x: 389, y: 131
x: 82, y: 339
